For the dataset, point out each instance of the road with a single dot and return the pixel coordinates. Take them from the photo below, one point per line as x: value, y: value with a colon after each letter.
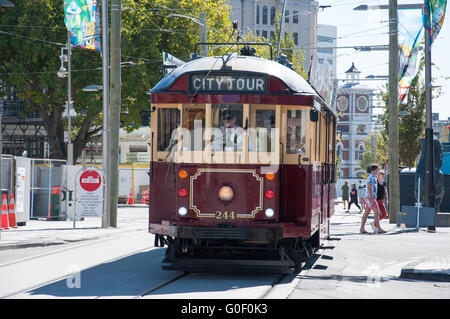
x: 128, y: 266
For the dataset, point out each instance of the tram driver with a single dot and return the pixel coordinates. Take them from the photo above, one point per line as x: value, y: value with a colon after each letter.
x: 231, y: 139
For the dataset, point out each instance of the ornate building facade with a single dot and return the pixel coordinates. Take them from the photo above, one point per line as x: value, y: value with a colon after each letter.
x: 355, y: 108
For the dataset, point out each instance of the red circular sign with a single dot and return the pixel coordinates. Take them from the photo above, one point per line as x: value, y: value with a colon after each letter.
x: 90, y: 180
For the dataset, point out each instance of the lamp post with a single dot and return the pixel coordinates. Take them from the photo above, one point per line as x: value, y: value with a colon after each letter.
x: 62, y: 72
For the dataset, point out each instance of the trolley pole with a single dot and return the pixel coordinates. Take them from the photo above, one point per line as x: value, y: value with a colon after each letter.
x: 394, y: 186
x: 114, y: 115
x: 105, y: 137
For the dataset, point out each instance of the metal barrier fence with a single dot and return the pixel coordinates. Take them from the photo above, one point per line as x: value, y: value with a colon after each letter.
x: 8, y: 174
x: 45, y: 178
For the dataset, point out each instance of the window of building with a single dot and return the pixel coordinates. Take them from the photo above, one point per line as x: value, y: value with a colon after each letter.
x: 272, y: 15
x: 272, y: 36
x: 257, y: 33
x: 325, y: 50
x: 257, y: 14
x: 295, y: 17
x: 296, y: 38
x: 264, y: 15
x: 320, y: 60
x: 325, y: 39
x: 264, y: 34
x: 330, y: 61
x: 286, y: 16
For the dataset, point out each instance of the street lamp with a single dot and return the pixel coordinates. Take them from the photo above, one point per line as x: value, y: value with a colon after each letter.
x: 66, y: 56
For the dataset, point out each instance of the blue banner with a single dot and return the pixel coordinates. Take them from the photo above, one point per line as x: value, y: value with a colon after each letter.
x: 433, y: 14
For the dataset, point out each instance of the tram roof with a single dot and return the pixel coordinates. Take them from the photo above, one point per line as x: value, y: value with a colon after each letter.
x: 234, y: 63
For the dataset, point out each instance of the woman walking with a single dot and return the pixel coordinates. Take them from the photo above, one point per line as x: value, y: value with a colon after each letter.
x: 382, y: 194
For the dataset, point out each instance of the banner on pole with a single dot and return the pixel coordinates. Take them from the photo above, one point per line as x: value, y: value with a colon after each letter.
x: 82, y: 19
x: 433, y: 14
x: 409, y: 37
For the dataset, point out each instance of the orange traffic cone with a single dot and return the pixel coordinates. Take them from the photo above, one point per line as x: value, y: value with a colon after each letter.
x: 145, y: 196
x: 12, y: 213
x: 5, y: 224
x: 131, y: 199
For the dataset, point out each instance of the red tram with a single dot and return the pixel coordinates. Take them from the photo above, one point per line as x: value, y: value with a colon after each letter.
x: 242, y: 166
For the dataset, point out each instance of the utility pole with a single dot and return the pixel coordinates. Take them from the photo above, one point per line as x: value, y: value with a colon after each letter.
x: 69, y: 102
x: 429, y: 199
x: 115, y: 103
x: 393, y: 161
x: 203, y: 34
x: 105, y: 137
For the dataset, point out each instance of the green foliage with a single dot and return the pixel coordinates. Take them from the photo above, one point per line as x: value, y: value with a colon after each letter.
x: 411, y: 127
x: 30, y: 59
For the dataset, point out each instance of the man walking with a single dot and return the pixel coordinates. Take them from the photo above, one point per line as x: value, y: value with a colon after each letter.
x: 371, y: 202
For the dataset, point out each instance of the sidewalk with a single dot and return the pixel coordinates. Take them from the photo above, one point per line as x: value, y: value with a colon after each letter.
x: 47, y: 232
x: 418, y: 255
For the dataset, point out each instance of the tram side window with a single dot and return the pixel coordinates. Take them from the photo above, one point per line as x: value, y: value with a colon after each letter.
x: 296, y: 132
x: 168, y: 121
x: 262, y: 131
x: 227, y: 128
x: 194, y: 123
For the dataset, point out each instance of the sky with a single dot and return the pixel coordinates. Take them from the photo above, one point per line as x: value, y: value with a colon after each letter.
x: 360, y: 28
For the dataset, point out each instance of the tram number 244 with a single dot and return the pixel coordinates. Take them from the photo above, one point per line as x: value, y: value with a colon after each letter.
x: 225, y: 215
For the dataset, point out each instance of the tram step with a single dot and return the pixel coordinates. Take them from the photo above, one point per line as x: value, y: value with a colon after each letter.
x: 231, y: 265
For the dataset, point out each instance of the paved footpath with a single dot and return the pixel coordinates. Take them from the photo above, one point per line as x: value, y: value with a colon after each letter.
x: 48, y: 232
x: 401, y: 263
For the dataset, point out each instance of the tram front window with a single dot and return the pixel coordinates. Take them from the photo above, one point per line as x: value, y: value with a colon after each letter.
x: 168, y: 120
x: 262, y: 130
x: 227, y: 133
x: 296, y: 132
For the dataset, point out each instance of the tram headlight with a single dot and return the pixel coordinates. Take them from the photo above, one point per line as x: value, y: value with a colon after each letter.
x: 269, y: 212
x: 182, y: 211
x: 226, y: 193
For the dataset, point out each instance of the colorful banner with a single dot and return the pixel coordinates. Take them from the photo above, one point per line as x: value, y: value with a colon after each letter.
x: 433, y: 14
x: 409, y: 38
x: 82, y: 19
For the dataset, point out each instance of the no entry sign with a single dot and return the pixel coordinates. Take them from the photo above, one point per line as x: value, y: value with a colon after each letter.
x: 89, y: 192
x: 90, y: 180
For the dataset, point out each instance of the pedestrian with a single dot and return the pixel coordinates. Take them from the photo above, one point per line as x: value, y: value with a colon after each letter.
x: 354, y: 198
x: 361, y: 191
x: 371, y: 202
x: 382, y: 195
x: 345, y: 193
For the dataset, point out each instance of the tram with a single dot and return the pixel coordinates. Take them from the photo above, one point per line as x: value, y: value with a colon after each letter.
x: 242, y: 166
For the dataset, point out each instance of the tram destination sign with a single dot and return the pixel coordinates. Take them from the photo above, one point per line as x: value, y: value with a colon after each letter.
x: 203, y: 83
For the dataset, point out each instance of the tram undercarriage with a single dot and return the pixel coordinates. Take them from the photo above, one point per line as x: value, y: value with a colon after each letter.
x: 232, y: 255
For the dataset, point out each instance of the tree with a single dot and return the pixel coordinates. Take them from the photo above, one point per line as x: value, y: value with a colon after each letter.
x: 30, y: 59
x: 411, y: 126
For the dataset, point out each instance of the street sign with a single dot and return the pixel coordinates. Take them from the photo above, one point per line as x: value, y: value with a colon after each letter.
x: 170, y: 62
x: 89, y: 192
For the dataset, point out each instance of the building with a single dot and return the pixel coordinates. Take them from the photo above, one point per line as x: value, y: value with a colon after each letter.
x: 440, y: 128
x: 326, y: 47
x: 258, y: 16
x: 355, y: 109
x: 23, y: 132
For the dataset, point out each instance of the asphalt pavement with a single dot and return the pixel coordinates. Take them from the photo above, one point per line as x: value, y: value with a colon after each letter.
x: 426, y: 256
